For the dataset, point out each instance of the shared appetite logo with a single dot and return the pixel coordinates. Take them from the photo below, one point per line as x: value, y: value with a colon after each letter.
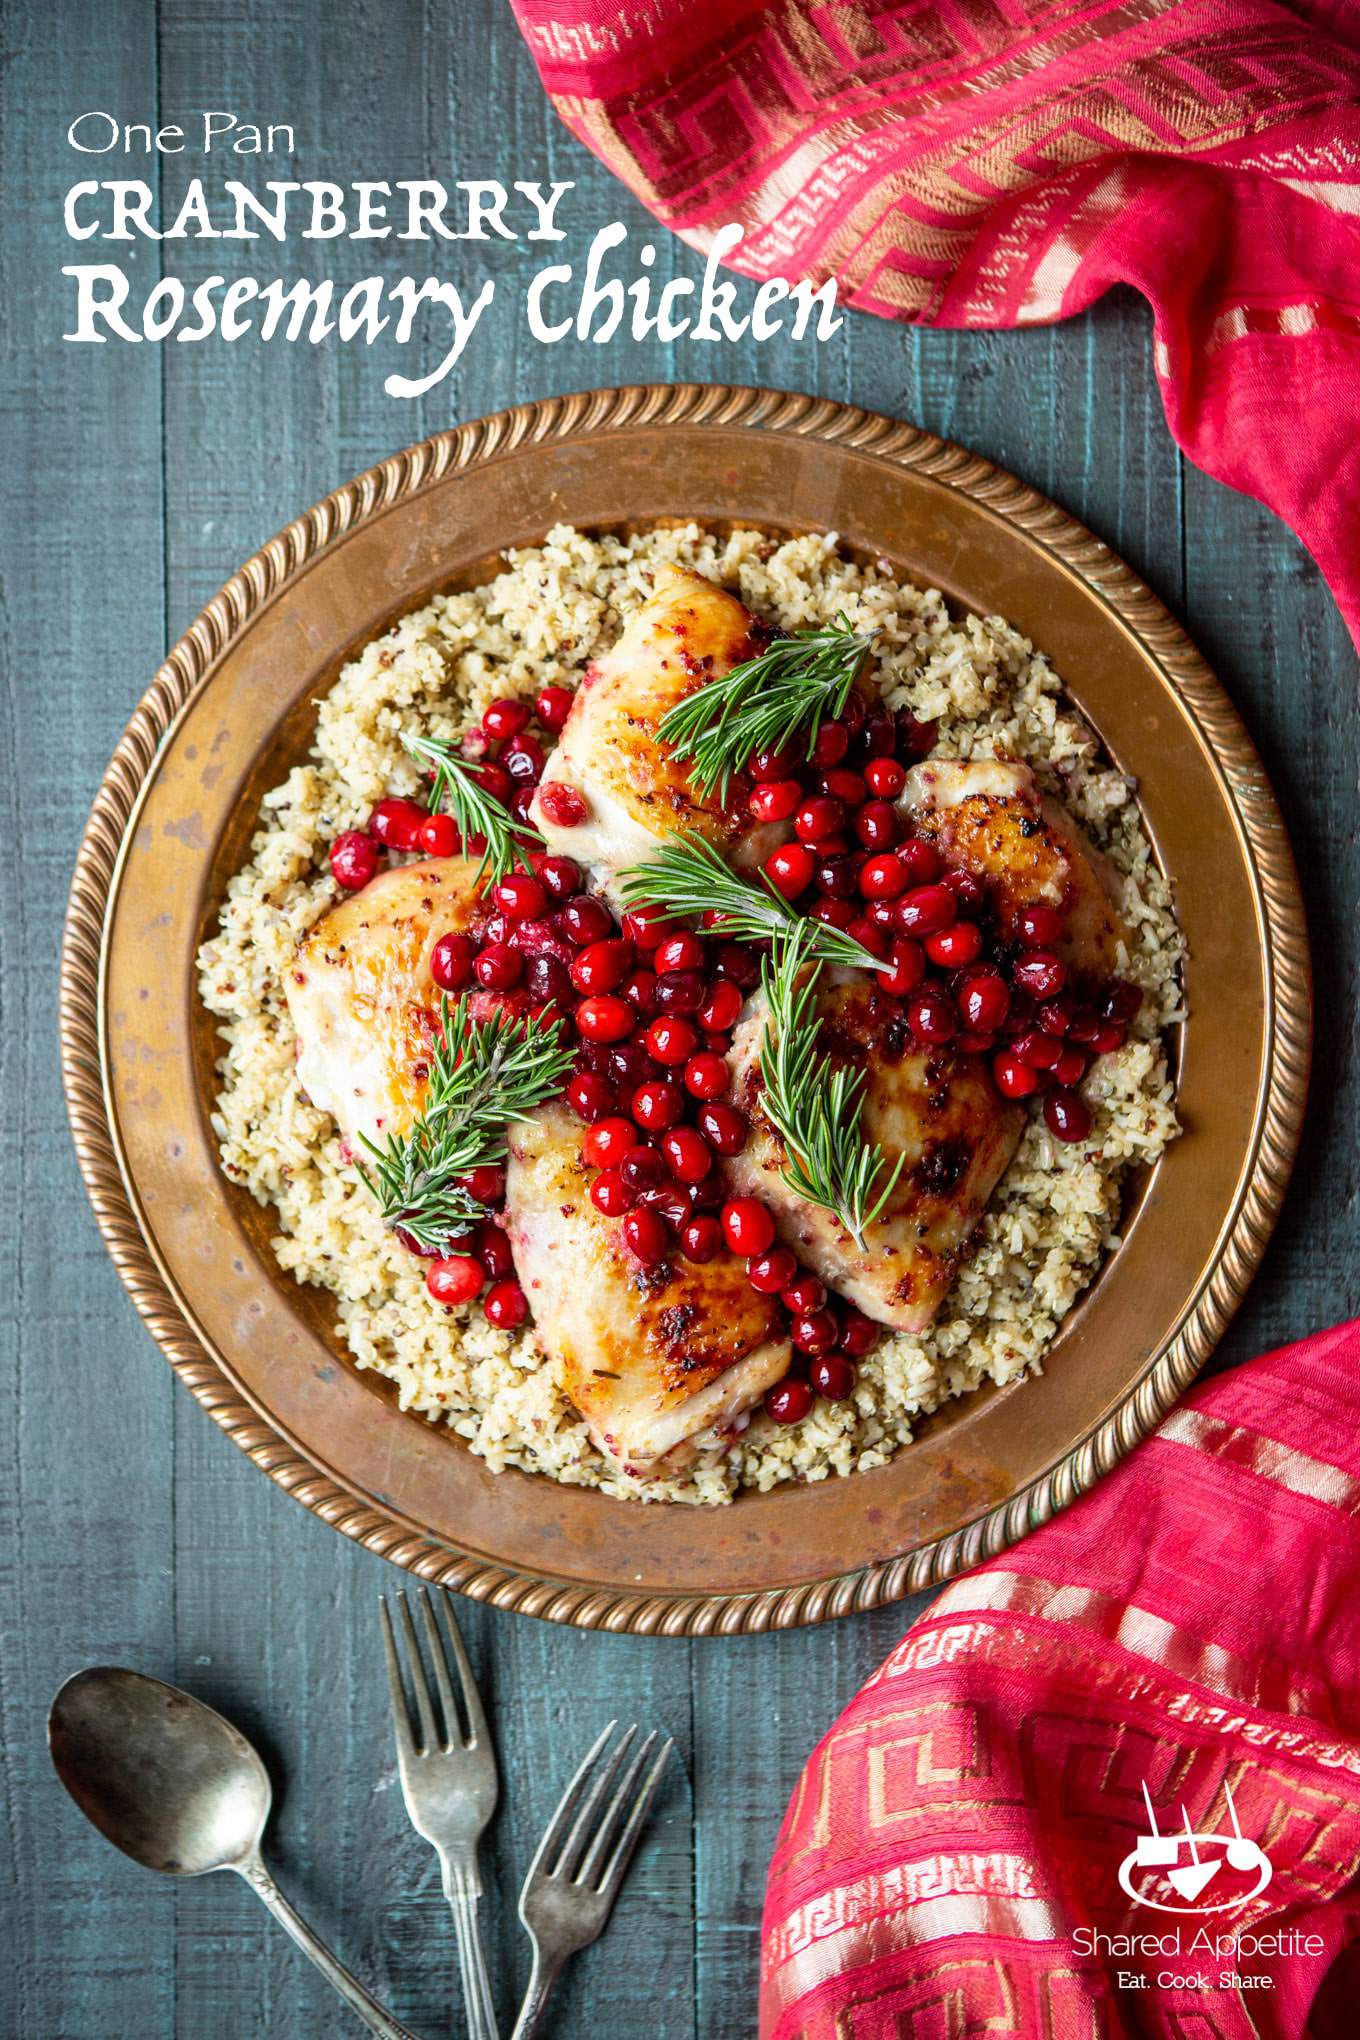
x: 1231, y: 1866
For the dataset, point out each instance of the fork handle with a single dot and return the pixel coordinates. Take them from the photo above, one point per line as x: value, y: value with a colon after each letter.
x: 460, y: 1889
x: 542, y: 1977
x: 374, y: 2016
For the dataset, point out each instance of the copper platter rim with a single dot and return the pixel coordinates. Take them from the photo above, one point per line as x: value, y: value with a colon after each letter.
x: 1105, y: 581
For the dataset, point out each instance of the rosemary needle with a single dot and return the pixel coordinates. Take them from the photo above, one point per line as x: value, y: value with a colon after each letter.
x: 457, y: 790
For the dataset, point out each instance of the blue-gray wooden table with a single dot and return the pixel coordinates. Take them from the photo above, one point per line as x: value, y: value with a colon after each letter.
x: 135, y: 478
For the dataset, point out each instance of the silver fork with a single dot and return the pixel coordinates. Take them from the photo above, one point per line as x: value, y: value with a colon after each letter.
x: 575, y: 1876
x: 448, y: 1779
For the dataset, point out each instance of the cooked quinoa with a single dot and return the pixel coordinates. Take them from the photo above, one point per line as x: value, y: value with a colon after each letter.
x: 555, y: 606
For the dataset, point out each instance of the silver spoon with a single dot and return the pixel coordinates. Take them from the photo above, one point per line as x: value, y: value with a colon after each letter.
x: 170, y: 1783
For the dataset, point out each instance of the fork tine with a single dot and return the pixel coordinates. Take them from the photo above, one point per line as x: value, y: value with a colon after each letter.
x: 472, y: 1699
x: 575, y: 1843
x: 613, y: 1813
x: 628, y: 1840
x: 452, y: 1727
x: 420, y: 1686
x: 401, y: 1720
x: 566, y: 1806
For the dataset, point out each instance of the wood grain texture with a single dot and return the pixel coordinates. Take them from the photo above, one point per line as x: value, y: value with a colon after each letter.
x: 130, y: 1529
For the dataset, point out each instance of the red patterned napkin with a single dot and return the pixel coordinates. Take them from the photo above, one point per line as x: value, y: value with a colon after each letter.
x: 1004, y: 162
x: 955, y: 1844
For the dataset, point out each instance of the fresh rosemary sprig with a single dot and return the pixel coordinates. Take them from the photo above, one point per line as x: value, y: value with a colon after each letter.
x: 689, y: 877
x: 483, y: 1074
x: 765, y: 702
x: 814, y: 1108
x: 457, y: 788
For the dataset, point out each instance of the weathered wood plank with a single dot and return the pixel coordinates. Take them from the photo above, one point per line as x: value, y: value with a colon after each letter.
x: 85, y: 1498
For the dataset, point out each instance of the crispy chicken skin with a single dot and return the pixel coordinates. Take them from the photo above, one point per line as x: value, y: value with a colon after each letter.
x: 989, y: 816
x: 938, y: 1108
x: 362, y: 998
x: 649, y: 1356
x: 689, y: 631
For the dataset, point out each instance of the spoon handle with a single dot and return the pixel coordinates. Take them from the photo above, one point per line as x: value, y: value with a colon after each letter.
x: 349, y: 1988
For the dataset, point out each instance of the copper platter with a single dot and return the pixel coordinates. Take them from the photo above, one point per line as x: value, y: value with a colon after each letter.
x: 232, y: 708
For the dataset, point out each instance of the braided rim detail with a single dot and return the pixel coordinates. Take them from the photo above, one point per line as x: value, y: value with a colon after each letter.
x: 1288, y: 990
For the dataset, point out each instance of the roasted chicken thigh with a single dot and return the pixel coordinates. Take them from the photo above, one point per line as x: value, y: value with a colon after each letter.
x: 937, y: 1108
x: 362, y: 997
x: 990, y: 817
x: 649, y: 1356
x: 622, y: 790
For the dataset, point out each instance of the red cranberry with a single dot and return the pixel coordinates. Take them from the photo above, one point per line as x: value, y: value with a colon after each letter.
x: 630, y: 1062
x: 1067, y: 1116
x: 590, y: 1096
x: 951, y: 948
x: 1070, y: 1068
x: 790, y: 868
x: 680, y: 991
x: 553, y: 706
x: 908, y: 967
x: 562, y: 805
x: 639, y: 988
x: 1039, y: 926
x: 845, y: 785
x: 738, y: 964
x: 789, y: 1401
x: 679, y: 952
x: 505, y: 718
x: 493, y: 1251
x: 1121, y: 1001
x: 688, y: 1155
x: 1084, y: 1025
x: 1041, y: 973
x: 642, y: 1167
x: 644, y: 1234
x: 657, y: 1106
x: 495, y: 780
x: 870, y: 936
x: 604, y: 1018
x: 454, y: 1278
x: 672, y: 1202
x: 451, y: 962
x: 878, y: 736
x: 1013, y: 1078
x: 925, y: 910
x: 608, y: 1141
x: 559, y: 876
x: 439, y: 836
x: 815, y: 1333
x: 821, y: 816
x: 858, y: 1333
x: 521, y: 896
x: 397, y: 823
x: 523, y: 759
x: 836, y: 877
x: 586, y: 920
x: 914, y: 737
x: 723, y: 1127
x: 883, y: 878
x: 611, y: 1195
x: 506, y: 1306
x: 1109, y: 1036
x: 1055, y: 1016
x: 1040, y: 1051
x: 884, y: 778
x: 774, y: 765
x: 646, y: 928
x: 497, y: 968
x: 776, y: 801
x: 876, y: 825
x: 601, y: 966
x: 920, y: 860
x: 672, y: 1041
x: 719, y: 1011
x: 804, y: 1295
x: 769, y: 1273
x: 747, y: 1226
x: 700, y: 1239
x: 830, y: 745
x: 706, y: 1075
x: 834, y: 913
x: 931, y: 1016
x: 833, y: 1376
x: 486, y: 1183
x: 984, y: 1002
x: 354, y: 860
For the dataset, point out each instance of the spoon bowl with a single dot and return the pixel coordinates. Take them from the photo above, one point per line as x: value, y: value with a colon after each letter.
x: 162, y: 1776
x: 178, y: 1789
